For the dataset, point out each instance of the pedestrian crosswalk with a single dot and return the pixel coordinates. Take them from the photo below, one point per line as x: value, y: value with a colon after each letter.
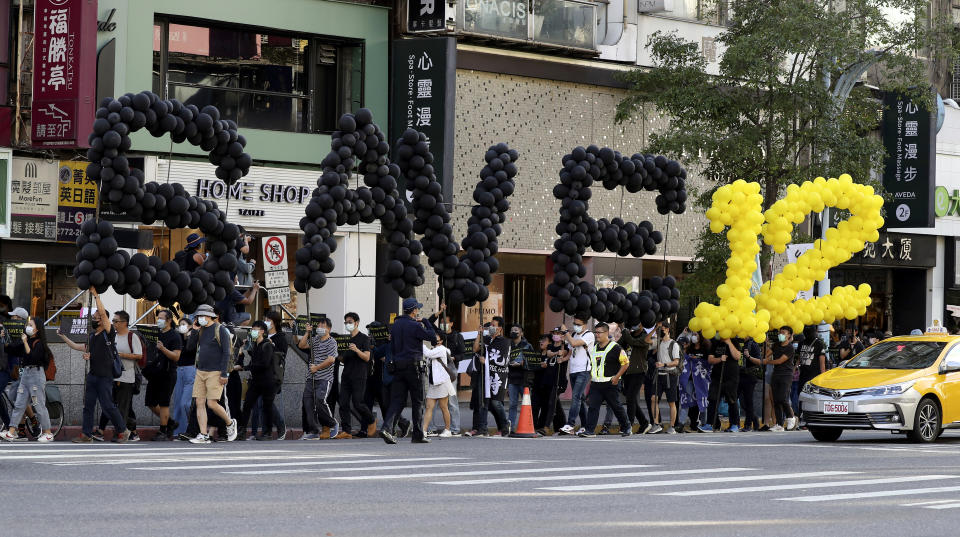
x: 470, y: 474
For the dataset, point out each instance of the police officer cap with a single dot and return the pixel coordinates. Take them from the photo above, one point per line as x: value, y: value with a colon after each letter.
x: 410, y: 304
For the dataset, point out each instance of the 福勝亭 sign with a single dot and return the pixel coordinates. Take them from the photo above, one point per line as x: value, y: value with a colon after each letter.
x: 76, y: 199
x: 33, y: 199
x: 64, y: 72
x: 910, y: 138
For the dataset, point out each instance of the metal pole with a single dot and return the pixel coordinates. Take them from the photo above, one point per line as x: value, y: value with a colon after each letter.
x: 59, y: 311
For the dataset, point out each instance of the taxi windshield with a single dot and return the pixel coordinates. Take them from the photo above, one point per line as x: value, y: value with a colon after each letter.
x: 898, y: 355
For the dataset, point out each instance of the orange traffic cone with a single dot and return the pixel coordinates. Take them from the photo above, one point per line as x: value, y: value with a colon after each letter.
x: 525, y: 426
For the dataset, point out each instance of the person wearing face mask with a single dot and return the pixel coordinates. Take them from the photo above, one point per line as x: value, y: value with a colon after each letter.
x: 781, y: 357
x: 750, y: 373
x: 453, y: 341
x: 580, y: 341
x: 724, y: 379
x: 493, y: 351
x: 164, y: 374
x: 213, y: 357
x: 245, y: 263
x: 99, y: 381
x: 323, y: 355
x: 274, y: 324
x: 186, y: 374
x: 668, y: 366
x: 608, y: 363
x: 261, y: 385
x: 407, y: 335
x: 12, y: 351
x: 130, y: 349
x: 517, y: 377
x: 547, y: 409
x: 33, y: 381
x: 695, y: 380
x: 637, y: 342
x: 353, y: 378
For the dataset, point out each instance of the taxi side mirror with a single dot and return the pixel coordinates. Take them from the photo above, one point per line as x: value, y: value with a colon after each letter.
x: 949, y: 366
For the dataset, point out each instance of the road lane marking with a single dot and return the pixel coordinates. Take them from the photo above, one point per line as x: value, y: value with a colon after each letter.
x: 156, y: 458
x: 944, y: 506
x: 917, y: 504
x: 395, y: 467
x: 89, y: 454
x: 586, y: 476
x: 488, y: 472
x: 273, y: 464
x: 875, y: 494
x: 820, y: 484
x: 695, y: 481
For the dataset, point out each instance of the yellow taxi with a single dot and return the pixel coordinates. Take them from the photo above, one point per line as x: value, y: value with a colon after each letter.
x: 909, y: 384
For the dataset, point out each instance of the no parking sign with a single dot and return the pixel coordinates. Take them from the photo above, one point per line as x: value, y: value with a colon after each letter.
x: 275, y: 269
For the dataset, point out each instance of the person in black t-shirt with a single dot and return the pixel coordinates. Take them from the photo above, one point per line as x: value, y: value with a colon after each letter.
x: 99, y: 381
x: 781, y: 357
x: 353, y: 379
x: 724, y: 379
x: 161, y: 382
x: 547, y: 409
x: 812, y: 359
x: 186, y: 374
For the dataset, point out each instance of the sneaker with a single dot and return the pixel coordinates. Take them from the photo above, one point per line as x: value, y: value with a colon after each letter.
x: 604, y: 431
x: 423, y: 440
x: 232, y: 430
x: 335, y: 430
x: 445, y: 434
x: 566, y: 430
x: 362, y: 433
x: 672, y: 430
x: 646, y: 430
x: 7, y: 436
x: 161, y: 436
x: 182, y: 437
x: 776, y: 429
x: 581, y: 430
x: 509, y: 427
x: 764, y: 428
x: 97, y: 435
x: 200, y: 439
x: 582, y: 433
x: 791, y: 424
x: 747, y: 429
x: 433, y: 433
x: 134, y: 437
x: 123, y: 437
x: 470, y: 433
x: 387, y: 437
x: 705, y: 428
x: 82, y: 439
x: 283, y: 435
x: 541, y: 432
x: 733, y: 429
x: 655, y: 429
x: 626, y: 432
x: 45, y: 438
x: 311, y: 436
x: 405, y: 427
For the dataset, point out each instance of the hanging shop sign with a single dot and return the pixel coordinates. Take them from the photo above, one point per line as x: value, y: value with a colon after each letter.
x: 6, y: 173
x: 33, y: 199
x: 898, y: 249
x: 504, y: 18
x: 910, y: 138
x: 77, y: 199
x: 423, y: 91
x: 64, y: 72
x: 425, y: 15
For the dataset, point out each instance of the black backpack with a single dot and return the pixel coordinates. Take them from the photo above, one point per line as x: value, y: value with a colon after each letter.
x: 279, y: 367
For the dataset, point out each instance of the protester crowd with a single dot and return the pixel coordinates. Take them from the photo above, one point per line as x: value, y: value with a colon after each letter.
x: 651, y: 380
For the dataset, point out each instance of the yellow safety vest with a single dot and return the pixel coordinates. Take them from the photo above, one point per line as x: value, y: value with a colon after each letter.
x: 598, y: 362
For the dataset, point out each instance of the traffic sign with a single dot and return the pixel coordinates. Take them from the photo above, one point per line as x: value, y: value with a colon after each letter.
x: 278, y: 295
x: 275, y: 253
x: 275, y: 278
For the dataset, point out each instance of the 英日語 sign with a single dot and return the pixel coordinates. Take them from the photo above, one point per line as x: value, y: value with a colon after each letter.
x: 76, y: 199
x: 64, y: 72
x: 910, y: 138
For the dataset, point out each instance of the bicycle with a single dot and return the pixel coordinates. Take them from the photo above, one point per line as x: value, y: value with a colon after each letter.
x: 31, y: 423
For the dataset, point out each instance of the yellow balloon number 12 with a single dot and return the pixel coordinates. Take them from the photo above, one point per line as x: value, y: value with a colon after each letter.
x: 737, y: 207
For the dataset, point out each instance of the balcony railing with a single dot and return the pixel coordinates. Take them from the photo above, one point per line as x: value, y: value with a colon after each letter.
x: 561, y: 23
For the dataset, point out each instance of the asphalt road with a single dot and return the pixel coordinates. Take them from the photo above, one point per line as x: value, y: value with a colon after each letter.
x: 762, y: 484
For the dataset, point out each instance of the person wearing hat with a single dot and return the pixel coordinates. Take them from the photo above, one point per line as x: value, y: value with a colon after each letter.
x: 407, y: 335
x: 213, y: 357
x: 190, y: 257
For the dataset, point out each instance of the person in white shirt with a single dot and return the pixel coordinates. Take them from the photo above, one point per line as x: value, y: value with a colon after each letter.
x: 580, y: 342
x: 440, y: 388
x: 668, y: 369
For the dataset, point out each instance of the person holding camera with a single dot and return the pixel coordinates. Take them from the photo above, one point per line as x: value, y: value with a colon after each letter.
x: 781, y: 357
x: 323, y: 354
x: 407, y: 335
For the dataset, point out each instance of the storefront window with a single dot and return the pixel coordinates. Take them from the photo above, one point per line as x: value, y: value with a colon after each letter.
x: 261, y: 80
x: 709, y: 11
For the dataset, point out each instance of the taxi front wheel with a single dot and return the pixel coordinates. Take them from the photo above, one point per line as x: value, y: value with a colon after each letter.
x: 825, y: 434
x: 926, y: 422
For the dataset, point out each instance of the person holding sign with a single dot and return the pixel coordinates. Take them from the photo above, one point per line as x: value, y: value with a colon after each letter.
x: 99, y: 383
x: 517, y: 375
x: 353, y: 379
x: 453, y: 341
x: 33, y: 381
x: 493, y: 351
x: 323, y: 355
x: 441, y: 387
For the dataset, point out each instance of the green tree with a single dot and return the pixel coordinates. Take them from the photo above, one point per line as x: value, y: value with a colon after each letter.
x: 774, y: 113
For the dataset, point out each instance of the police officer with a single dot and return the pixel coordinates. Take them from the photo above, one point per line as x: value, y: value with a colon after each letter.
x: 407, y: 335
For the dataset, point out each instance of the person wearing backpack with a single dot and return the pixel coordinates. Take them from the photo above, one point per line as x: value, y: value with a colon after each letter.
x: 131, y: 351
x: 102, y: 355
x: 213, y: 358
x: 667, y: 379
x: 637, y: 343
x: 33, y: 382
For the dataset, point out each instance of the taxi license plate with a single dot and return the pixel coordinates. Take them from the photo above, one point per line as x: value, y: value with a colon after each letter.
x: 832, y: 407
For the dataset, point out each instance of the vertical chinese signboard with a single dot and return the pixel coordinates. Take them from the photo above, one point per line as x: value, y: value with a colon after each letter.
x: 910, y: 138
x: 33, y: 199
x: 64, y: 72
x: 423, y: 91
x: 6, y: 168
x: 425, y: 15
x: 77, y: 199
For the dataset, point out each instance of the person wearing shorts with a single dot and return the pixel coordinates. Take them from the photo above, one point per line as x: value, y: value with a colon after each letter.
x: 213, y: 356
x: 160, y: 385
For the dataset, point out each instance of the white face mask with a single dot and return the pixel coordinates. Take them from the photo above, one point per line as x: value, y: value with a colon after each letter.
x: 254, y: 334
x: 349, y: 327
x: 321, y: 332
x: 694, y: 339
x: 184, y: 328
x: 204, y: 321
x: 30, y: 330
x: 161, y: 323
x: 578, y: 328
x: 491, y: 331
x: 444, y: 326
x: 269, y: 324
